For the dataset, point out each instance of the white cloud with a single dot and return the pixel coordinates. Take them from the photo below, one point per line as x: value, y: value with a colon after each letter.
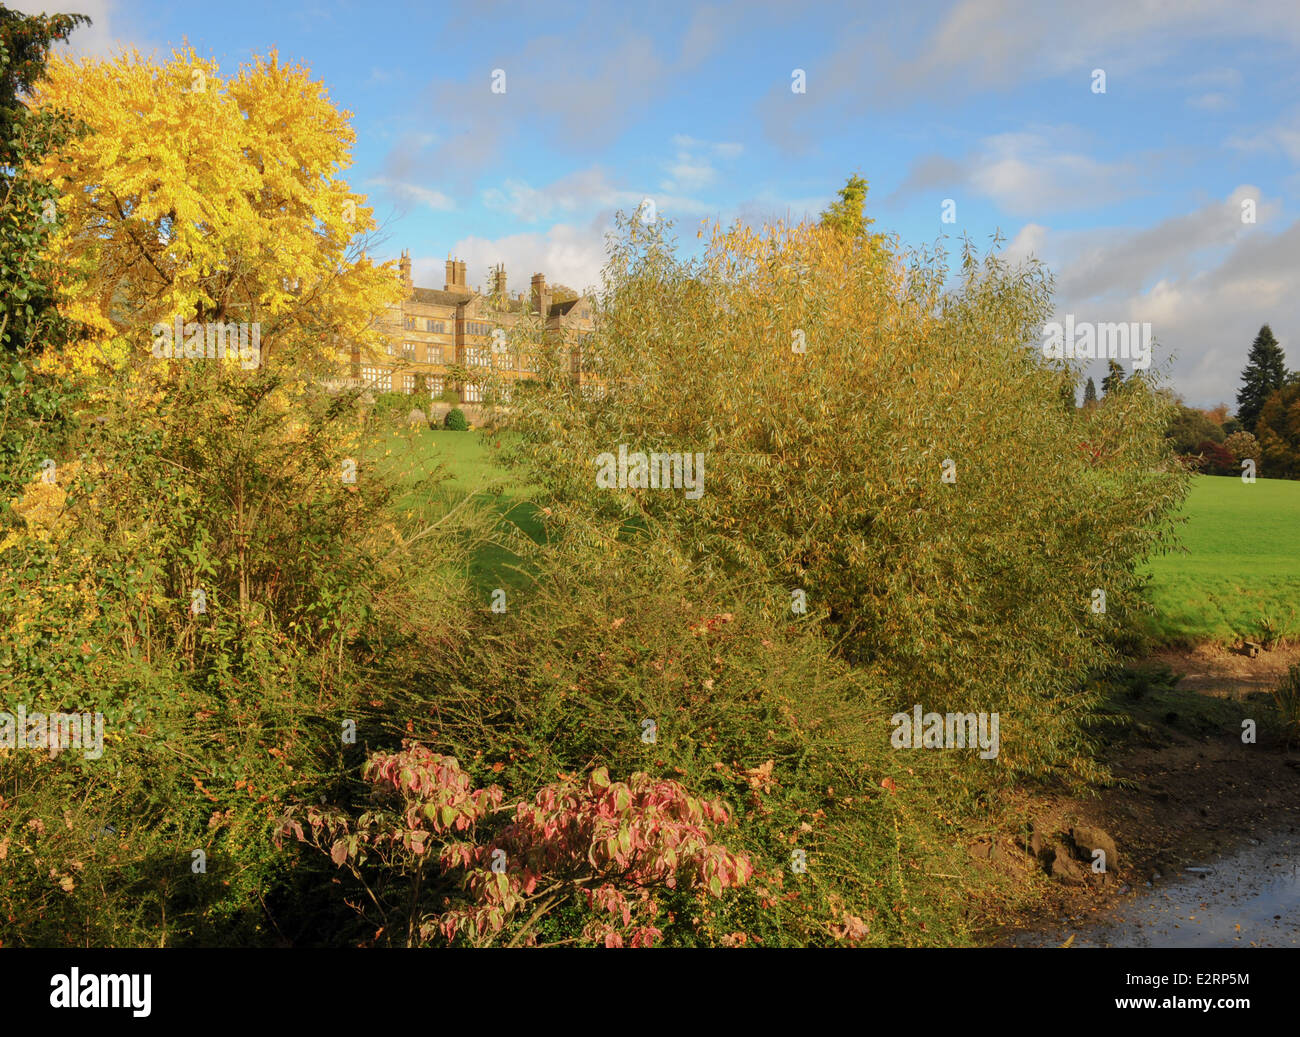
x: 1283, y: 136
x: 106, y: 35
x: 693, y: 166
x: 585, y: 192
x: 996, y: 42
x: 1204, y: 280
x: 566, y: 254
x: 414, y: 194
x: 1222, y: 78
x: 721, y: 149
x: 581, y: 105
x: 977, y: 46
x: 582, y: 191
x: 1029, y: 241
x: 688, y: 173
x: 1027, y: 172
x: 1211, y: 102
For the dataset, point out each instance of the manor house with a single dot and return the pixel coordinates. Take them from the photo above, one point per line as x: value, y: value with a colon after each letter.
x: 431, y: 330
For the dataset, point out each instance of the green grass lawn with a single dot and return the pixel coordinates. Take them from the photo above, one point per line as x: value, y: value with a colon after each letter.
x: 1240, y: 573
x: 439, y: 469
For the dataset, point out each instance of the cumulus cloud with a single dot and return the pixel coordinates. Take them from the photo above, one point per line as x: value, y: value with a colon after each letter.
x: 109, y: 31
x: 1204, y: 280
x: 1027, y: 172
x: 567, y: 253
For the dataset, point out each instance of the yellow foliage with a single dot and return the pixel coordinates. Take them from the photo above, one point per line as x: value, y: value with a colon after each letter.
x: 211, y: 198
x: 41, y: 506
x: 43, y: 510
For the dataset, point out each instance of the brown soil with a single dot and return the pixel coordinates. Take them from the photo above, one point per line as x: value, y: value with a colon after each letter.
x: 1194, y: 795
x: 1217, y: 671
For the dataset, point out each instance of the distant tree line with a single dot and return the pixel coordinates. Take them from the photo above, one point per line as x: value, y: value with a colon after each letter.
x: 1265, y: 429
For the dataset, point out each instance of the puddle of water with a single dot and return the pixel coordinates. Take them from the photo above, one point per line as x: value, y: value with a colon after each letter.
x: 1248, y: 899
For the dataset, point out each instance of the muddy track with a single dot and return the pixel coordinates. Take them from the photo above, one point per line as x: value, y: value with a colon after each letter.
x: 1190, y: 792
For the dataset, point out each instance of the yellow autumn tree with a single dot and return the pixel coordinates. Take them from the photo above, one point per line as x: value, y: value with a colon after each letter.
x: 197, y: 565
x: 208, y: 241
x: 209, y: 199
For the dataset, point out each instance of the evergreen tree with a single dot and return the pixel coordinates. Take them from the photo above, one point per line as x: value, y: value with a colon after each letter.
x: 1089, y: 393
x: 1067, y: 395
x: 1114, y: 379
x: 1265, y: 373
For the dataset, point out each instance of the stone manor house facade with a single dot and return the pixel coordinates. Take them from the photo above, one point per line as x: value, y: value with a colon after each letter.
x: 431, y: 330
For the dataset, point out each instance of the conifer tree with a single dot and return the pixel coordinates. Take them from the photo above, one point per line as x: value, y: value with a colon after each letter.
x: 1114, y: 378
x: 1265, y: 373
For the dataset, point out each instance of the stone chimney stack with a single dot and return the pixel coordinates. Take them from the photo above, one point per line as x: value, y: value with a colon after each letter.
x: 499, y: 282
x: 541, y: 297
x: 456, y: 277
x: 405, y: 267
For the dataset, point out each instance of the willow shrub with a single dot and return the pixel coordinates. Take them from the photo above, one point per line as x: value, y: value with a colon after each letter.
x: 884, y: 439
x: 628, y: 656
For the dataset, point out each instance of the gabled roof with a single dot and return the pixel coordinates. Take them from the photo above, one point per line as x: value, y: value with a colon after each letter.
x: 561, y: 309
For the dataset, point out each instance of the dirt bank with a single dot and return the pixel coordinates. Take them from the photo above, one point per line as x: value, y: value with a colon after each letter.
x: 1189, y: 791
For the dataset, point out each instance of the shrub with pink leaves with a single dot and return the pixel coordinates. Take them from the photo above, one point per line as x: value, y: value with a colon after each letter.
x: 609, y: 847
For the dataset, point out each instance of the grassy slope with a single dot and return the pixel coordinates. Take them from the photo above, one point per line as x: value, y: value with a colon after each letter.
x: 442, y: 468
x: 1241, y: 568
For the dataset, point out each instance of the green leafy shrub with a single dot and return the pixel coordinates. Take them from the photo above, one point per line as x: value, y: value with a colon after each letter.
x: 455, y: 420
x: 746, y: 704
x: 957, y: 555
x: 229, y: 645
x: 391, y: 406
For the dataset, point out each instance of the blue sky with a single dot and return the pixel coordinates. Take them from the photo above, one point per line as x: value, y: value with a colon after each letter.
x: 1132, y: 196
